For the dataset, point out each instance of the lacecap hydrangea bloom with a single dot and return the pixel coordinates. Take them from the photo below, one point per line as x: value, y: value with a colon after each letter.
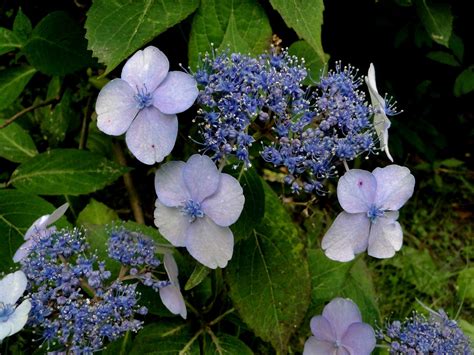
x: 340, y: 331
x: 13, y: 318
x: 144, y: 103
x: 196, y: 204
x: 369, y: 222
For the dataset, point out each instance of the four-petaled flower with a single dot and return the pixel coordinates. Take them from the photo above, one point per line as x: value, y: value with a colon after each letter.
x: 171, y: 295
x: 196, y: 204
x: 340, y: 331
x: 13, y: 319
x: 369, y: 222
x: 144, y: 103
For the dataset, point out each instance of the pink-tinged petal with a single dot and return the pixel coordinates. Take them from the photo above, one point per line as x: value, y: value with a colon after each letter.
x: 171, y: 268
x: 173, y: 300
x: 152, y: 135
x: 171, y: 223
x: 385, y: 238
x: 38, y: 225
x: 57, y: 214
x: 322, y: 329
x: 395, y: 185
x: 23, y: 251
x: 201, y: 177
x: 209, y: 243
x: 12, y: 287
x: 116, y: 107
x: 341, y: 313
x: 314, y: 346
x: 356, y: 190
x: 226, y: 204
x: 347, y: 236
x: 359, y: 339
x: 19, y: 317
x: 176, y: 93
x: 146, y: 69
x: 169, y: 184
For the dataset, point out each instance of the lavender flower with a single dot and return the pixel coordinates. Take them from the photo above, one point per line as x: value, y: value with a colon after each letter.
x: 340, y: 331
x: 171, y: 294
x: 144, y: 103
x: 196, y: 204
x: 371, y: 202
x: 13, y: 319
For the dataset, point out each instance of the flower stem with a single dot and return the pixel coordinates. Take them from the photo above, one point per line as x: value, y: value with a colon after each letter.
x: 28, y: 109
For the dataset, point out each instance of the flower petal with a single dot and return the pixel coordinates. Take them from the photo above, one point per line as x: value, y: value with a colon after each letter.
x: 356, y: 190
x: 5, y: 330
x: 24, y: 249
x: 359, y: 338
x: 19, y: 317
x: 314, y: 346
x: 57, y: 214
x: 171, y: 268
x: 152, y: 135
x: 147, y: 68
x: 201, y: 177
x: 386, y: 237
x: 347, y: 236
x: 341, y: 313
x: 395, y: 185
x: 12, y: 287
x: 38, y: 225
x: 209, y: 243
x: 176, y: 93
x: 173, y: 300
x: 169, y: 184
x: 171, y: 223
x: 226, y: 204
x: 116, y: 108
x: 322, y: 329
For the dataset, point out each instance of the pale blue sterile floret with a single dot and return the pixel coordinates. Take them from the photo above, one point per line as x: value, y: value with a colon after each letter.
x: 196, y: 204
x: 144, y: 103
x: 12, y: 317
x: 340, y: 331
x: 369, y: 222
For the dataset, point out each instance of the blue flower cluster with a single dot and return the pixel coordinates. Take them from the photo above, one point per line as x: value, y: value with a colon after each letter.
x: 418, y: 335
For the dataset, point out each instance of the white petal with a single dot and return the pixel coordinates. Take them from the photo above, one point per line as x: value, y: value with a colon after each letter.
x: 19, y: 317
x: 322, y: 329
x: 116, y: 107
x: 12, y: 287
x: 176, y: 93
x: 313, y: 346
x: 347, y: 236
x: 169, y: 184
x: 38, y: 225
x: 5, y: 330
x: 24, y: 249
x: 356, y: 190
x: 226, y: 204
x: 57, y: 214
x: 359, y: 338
x: 171, y: 223
x: 209, y: 243
x: 173, y: 300
x: 201, y: 177
x: 171, y: 268
x: 385, y: 238
x: 146, y: 69
x: 152, y: 135
x: 341, y: 313
x: 395, y: 186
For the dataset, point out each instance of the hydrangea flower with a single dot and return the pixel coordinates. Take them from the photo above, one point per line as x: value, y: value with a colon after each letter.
x: 40, y: 226
x: 12, y: 319
x: 196, y: 204
x: 369, y: 222
x: 171, y: 294
x: 144, y: 103
x: 340, y: 331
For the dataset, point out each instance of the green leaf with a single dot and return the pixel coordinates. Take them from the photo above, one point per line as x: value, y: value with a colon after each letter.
x: 315, y: 65
x: 16, y: 144
x: 225, y: 344
x: 465, y: 285
x: 306, y: 18
x: 268, y: 276
x: 437, y: 20
x: 199, y: 274
x: 242, y: 26
x: 116, y: 29
x: 96, y: 213
x: 22, y: 26
x: 12, y: 82
x: 467, y: 328
x: 65, y: 172
x: 443, y: 58
x: 9, y: 41
x: 57, y: 45
x: 457, y: 46
x: 451, y: 163
x: 464, y: 83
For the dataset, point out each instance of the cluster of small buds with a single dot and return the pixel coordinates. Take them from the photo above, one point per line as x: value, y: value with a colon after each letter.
x: 237, y: 91
x: 418, y: 335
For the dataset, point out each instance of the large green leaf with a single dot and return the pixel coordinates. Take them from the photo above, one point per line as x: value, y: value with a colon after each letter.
x: 223, y: 344
x: 313, y: 62
x: 96, y: 213
x: 9, y: 41
x: 65, y: 172
x: 242, y: 26
x: 12, y: 82
x: 116, y: 29
x: 22, y: 26
x: 306, y: 18
x: 57, y: 45
x: 16, y: 144
x: 268, y: 276
x: 437, y: 20
x: 464, y: 83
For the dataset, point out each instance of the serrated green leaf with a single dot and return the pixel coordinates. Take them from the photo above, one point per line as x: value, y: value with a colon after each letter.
x: 268, y: 276
x: 465, y: 285
x: 55, y: 121
x: 116, y: 29
x: 437, y: 20
x: 65, y: 172
x: 16, y: 144
x: 315, y: 65
x: 242, y: 26
x: 9, y: 41
x: 225, y: 344
x: 57, y: 45
x: 12, y: 82
x: 443, y: 58
x: 22, y: 26
x: 464, y: 83
x: 96, y: 213
x: 199, y: 274
x: 306, y: 18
